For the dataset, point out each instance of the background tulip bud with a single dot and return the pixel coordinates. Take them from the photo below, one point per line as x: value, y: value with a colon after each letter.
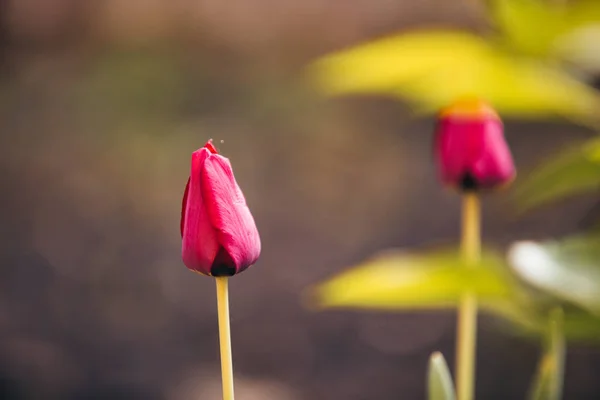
x: 218, y: 231
x: 470, y: 148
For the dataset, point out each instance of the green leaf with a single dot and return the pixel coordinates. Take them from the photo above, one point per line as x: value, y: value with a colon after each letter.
x: 397, y: 280
x: 548, y: 381
x: 580, y: 47
x: 582, y: 326
x: 569, y: 31
x: 430, y: 69
x: 528, y: 26
x: 575, y: 171
x: 439, y: 381
x: 579, y: 40
x: 569, y: 271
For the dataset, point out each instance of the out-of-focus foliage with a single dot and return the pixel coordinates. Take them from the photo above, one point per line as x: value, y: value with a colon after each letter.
x: 575, y: 171
x: 528, y: 26
x: 555, y: 274
x: 398, y: 280
x: 431, y: 68
x: 566, y: 31
x: 568, y: 270
x: 439, y: 380
x: 548, y: 381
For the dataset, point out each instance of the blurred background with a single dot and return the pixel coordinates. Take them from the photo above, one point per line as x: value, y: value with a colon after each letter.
x: 101, y: 106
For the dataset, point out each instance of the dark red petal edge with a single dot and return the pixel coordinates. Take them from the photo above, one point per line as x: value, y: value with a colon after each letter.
x: 183, y: 205
x: 211, y: 147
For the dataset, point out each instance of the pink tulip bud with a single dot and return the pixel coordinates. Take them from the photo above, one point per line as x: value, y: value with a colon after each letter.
x: 470, y: 148
x: 219, y: 234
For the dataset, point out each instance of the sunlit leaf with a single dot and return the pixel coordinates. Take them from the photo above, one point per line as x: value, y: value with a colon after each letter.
x: 439, y: 381
x: 548, y: 381
x: 397, y: 280
x: 574, y: 172
x: 401, y: 281
x: 579, y: 42
x: 430, y: 69
x: 529, y: 26
x: 581, y: 47
x: 564, y: 271
x: 569, y: 31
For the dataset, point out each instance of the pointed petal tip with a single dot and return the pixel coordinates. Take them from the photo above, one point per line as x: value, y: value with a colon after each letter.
x: 211, y: 147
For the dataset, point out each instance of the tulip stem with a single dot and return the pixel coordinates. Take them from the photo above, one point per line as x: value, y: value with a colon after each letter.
x: 467, y: 313
x: 225, y: 337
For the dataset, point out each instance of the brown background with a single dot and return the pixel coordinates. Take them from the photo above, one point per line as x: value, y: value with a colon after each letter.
x: 102, y: 103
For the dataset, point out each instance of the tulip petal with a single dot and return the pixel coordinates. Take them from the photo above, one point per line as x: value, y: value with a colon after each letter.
x: 184, y: 205
x: 495, y: 165
x: 199, y: 245
x: 229, y: 214
x: 470, y: 147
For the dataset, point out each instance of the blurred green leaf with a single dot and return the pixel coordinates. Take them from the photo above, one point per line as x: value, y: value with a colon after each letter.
x: 569, y: 271
x: 574, y: 172
x: 439, y: 381
x: 548, y: 381
x: 582, y: 326
x: 398, y: 280
x: 433, y: 68
x: 528, y: 26
x: 579, y: 42
x: 568, y: 31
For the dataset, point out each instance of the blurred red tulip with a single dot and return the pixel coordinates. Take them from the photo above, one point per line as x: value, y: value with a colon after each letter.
x: 219, y: 234
x: 470, y: 148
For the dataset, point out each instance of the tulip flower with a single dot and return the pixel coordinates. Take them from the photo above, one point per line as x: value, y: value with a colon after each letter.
x: 472, y: 155
x: 219, y: 237
x: 219, y: 234
x: 470, y: 147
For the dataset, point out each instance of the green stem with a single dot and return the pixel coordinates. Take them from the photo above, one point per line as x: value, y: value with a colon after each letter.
x: 466, y: 337
x: 225, y: 337
x: 557, y: 349
x: 548, y: 381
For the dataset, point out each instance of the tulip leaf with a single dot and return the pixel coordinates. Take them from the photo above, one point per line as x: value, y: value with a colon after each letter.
x: 430, y: 69
x: 568, y: 31
x: 581, y: 326
x: 548, y: 381
x: 579, y: 43
x: 528, y: 26
x: 439, y: 381
x: 398, y: 280
x: 573, y: 172
x: 568, y: 270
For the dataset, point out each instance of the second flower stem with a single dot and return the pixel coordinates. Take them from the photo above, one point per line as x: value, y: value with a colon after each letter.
x: 466, y: 339
x: 225, y: 337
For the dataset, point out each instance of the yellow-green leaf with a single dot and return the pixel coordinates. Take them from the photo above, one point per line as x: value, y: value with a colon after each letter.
x: 430, y: 69
x: 569, y: 31
x: 579, y: 43
x: 398, y: 280
x: 528, y: 26
x: 575, y: 171
x: 385, y: 64
x: 439, y: 381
